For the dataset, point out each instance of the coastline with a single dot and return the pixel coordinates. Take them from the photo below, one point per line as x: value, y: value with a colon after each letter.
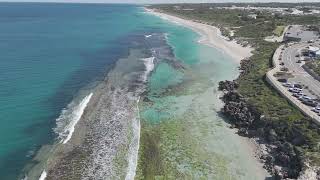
x: 210, y: 36
x: 83, y: 127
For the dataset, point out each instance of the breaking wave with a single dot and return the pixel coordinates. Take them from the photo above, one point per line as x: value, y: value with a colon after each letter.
x: 135, y: 142
x: 134, y: 147
x: 149, y: 64
x: 43, y: 175
x: 69, y: 117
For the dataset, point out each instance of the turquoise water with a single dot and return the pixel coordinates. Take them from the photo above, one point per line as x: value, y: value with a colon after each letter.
x: 164, y: 76
x: 185, y: 137
x: 48, y: 53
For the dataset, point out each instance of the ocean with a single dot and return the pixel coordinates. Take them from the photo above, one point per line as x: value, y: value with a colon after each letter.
x: 98, y: 87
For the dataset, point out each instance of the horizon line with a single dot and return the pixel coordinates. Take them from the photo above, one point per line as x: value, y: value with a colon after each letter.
x: 126, y: 3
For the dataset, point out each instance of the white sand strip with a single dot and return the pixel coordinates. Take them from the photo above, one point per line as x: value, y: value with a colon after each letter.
x: 210, y: 36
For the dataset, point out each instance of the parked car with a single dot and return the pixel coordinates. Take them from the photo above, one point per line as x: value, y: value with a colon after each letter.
x: 296, y: 95
x: 297, y: 89
x: 315, y: 110
x: 310, y: 102
x: 297, y: 86
x: 304, y: 97
x: 286, y: 84
x: 282, y: 80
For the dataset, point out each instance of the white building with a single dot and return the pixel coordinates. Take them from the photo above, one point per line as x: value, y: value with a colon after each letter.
x: 318, y: 54
x: 313, y: 49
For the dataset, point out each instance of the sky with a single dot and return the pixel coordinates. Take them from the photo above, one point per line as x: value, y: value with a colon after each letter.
x: 158, y: 1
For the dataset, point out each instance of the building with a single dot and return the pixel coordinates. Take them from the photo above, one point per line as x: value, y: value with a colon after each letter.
x: 253, y: 16
x: 289, y: 37
x: 299, y: 33
x: 318, y: 54
x: 314, y: 51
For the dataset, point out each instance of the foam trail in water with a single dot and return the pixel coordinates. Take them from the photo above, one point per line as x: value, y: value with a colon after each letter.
x: 43, y: 175
x: 75, y: 117
x: 148, y: 62
x: 134, y: 147
x: 135, y: 143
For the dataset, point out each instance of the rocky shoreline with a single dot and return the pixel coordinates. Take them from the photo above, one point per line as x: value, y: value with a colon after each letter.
x: 280, y: 157
x: 280, y: 152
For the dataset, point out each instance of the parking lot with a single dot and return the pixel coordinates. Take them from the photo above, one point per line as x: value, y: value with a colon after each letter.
x: 300, y: 84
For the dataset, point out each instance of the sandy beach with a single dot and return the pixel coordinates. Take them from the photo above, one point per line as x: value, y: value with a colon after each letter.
x: 210, y: 36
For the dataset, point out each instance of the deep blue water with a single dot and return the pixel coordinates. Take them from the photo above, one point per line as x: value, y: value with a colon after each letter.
x: 48, y: 52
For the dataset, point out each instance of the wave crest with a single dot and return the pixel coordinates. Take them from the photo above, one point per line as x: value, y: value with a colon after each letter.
x: 69, y: 117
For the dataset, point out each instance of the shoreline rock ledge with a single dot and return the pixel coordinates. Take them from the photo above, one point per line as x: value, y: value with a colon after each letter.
x: 280, y: 152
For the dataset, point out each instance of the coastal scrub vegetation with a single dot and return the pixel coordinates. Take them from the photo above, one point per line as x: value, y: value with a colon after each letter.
x: 281, y: 120
x: 315, y: 66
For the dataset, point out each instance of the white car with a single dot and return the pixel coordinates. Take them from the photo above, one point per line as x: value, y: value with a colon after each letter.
x: 304, y: 97
x: 297, y: 89
x: 286, y: 84
x: 315, y: 110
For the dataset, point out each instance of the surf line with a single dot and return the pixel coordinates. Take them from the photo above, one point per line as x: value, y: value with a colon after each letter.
x: 76, y: 115
x: 43, y: 175
x: 134, y: 146
x: 136, y: 127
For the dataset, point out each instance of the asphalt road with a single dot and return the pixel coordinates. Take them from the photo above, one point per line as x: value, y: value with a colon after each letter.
x: 284, y: 90
x: 300, y: 75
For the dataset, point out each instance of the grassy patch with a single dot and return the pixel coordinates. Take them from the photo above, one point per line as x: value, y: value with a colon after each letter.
x: 279, y: 30
x: 315, y: 66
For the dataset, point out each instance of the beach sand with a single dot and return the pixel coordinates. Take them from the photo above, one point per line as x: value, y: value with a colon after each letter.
x: 210, y: 36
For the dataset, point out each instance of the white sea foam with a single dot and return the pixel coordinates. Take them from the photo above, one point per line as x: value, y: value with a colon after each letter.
x: 135, y: 141
x: 148, y: 62
x: 69, y: 117
x: 147, y: 36
x: 76, y: 117
x: 43, y: 175
x: 134, y: 146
